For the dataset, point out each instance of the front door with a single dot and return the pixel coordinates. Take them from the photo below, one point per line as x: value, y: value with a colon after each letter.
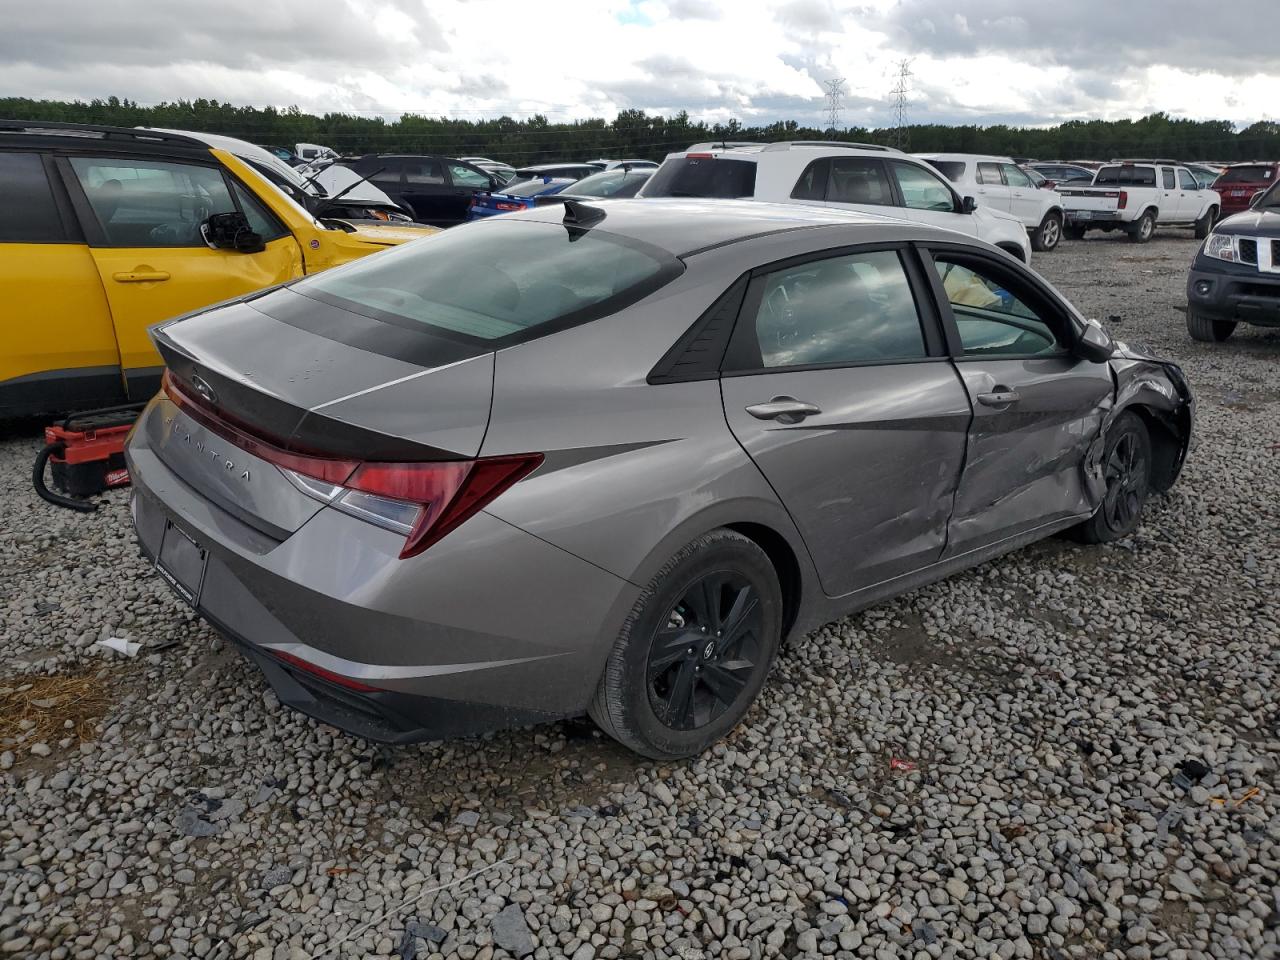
x: 1025, y: 197
x: 1037, y: 408
x: 837, y: 388
x: 142, y: 219
x: 464, y: 183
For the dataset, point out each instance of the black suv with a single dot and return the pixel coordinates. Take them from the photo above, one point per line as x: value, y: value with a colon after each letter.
x: 1236, y: 274
x: 437, y: 189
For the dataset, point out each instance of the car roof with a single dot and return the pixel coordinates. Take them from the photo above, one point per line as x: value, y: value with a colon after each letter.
x: 93, y: 136
x: 739, y: 150
x: 684, y: 226
x: 976, y: 157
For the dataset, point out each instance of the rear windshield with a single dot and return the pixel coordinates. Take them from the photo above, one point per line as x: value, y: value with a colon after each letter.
x: 501, y: 281
x: 1254, y: 174
x: 1127, y: 176
x: 718, y: 177
x: 532, y: 188
x: 953, y: 170
x: 613, y: 183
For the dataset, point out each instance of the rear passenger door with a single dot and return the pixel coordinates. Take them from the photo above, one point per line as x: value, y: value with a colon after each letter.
x: 836, y: 385
x: 59, y: 349
x: 424, y: 188
x: 1037, y: 408
x: 142, y: 219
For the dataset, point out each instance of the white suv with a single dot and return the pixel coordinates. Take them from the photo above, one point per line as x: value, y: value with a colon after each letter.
x: 998, y: 182
x: 853, y: 176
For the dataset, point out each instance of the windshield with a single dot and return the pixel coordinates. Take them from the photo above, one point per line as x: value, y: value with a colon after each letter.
x: 1258, y: 173
x: 1126, y: 175
x: 953, y: 170
x: 614, y: 183
x: 703, y: 176
x: 481, y: 282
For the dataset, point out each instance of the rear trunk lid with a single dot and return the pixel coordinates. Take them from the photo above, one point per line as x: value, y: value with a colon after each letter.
x: 296, y: 374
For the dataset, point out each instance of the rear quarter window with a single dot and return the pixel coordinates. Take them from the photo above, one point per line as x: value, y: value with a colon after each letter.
x: 27, y: 210
x: 717, y: 177
x: 953, y: 170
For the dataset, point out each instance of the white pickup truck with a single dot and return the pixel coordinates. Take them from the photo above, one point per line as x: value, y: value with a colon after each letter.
x: 1136, y: 197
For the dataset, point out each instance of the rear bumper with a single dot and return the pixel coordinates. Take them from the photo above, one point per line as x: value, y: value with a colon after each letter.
x: 1088, y: 218
x: 1247, y: 296
x: 490, y: 628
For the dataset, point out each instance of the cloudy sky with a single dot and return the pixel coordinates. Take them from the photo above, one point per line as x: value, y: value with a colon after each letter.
x: 979, y: 61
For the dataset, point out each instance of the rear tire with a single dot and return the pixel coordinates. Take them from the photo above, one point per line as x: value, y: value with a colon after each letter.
x: 1144, y: 229
x: 1048, y: 234
x: 1073, y: 233
x: 1205, y: 224
x: 673, y: 685
x: 1126, y: 462
x: 1208, y: 330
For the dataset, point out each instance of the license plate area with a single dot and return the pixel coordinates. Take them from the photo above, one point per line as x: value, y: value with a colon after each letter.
x: 182, y: 562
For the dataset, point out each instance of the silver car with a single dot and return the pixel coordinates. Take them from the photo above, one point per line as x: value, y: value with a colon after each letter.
x: 606, y: 458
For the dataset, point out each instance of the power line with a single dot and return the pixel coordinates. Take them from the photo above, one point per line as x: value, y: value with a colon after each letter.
x: 900, y: 91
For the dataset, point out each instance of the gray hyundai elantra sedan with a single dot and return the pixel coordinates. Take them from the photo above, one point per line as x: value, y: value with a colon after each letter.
x: 607, y: 458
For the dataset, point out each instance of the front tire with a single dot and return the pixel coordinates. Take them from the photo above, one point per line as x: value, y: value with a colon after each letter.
x: 694, y: 652
x: 1208, y: 330
x: 1144, y: 229
x: 1126, y: 464
x: 1048, y: 234
x: 1205, y: 224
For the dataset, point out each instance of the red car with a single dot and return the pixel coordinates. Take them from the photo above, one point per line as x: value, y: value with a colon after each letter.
x: 1240, y: 181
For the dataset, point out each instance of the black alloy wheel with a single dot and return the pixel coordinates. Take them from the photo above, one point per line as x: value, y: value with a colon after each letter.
x: 1127, y: 473
x: 703, y: 658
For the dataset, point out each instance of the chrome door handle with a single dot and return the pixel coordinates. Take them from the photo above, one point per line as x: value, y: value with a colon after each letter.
x: 998, y: 398
x: 783, y: 409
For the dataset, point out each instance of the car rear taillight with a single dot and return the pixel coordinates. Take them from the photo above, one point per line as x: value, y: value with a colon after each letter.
x: 322, y: 673
x: 1123, y: 200
x: 699, y: 156
x: 423, y: 500
x: 509, y: 206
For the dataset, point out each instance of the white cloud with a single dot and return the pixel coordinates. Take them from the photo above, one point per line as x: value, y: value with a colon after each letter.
x: 757, y: 60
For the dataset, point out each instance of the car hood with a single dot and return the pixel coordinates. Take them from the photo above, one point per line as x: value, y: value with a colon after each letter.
x: 1251, y: 222
x: 390, y: 234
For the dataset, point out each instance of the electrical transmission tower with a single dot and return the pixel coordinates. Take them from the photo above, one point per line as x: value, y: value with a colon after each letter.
x: 901, y: 89
x: 835, y: 94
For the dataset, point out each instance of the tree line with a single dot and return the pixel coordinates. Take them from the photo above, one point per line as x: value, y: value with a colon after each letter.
x: 637, y: 134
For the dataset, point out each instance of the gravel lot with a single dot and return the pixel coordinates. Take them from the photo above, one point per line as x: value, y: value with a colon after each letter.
x: 985, y: 767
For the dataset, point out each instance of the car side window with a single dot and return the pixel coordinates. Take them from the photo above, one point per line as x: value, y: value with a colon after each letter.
x: 423, y: 171
x: 859, y: 181
x: 922, y: 190
x: 812, y: 184
x: 28, y: 213
x: 386, y: 170
x: 1185, y: 180
x: 844, y: 310
x: 1015, y: 177
x: 990, y: 319
x: 989, y: 173
x: 1167, y: 176
x: 260, y: 219
x: 466, y: 177
x: 152, y: 203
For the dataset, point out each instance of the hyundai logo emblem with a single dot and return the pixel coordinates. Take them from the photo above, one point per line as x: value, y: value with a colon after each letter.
x: 201, y: 386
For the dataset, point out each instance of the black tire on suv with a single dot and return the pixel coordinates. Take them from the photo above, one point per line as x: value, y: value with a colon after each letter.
x: 1144, y: 228
x: 1205, y: 224
x: 1073, y: 232
x: 1048, y: 234
x: 1208, y: 329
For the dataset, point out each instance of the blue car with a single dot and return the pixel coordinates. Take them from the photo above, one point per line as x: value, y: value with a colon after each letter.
x: 518, y: 196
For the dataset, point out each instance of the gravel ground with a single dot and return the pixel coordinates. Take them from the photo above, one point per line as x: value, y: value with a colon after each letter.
x: 1070, y: 752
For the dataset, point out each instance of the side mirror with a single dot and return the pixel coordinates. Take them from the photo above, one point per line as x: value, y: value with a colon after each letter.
x: 231, y: 231
x: 1094, y: 343
x: 1253, y: 201
x: 494, y: 182
x: 968, y: 205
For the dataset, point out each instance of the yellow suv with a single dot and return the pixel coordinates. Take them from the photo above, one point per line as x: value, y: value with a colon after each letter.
x: 105, y: 231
